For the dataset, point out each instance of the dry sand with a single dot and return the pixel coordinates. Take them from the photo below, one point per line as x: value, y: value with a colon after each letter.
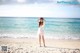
x: 31, y: 45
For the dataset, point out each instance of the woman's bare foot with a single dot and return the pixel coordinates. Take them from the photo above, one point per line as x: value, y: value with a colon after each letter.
x: 40, y: 46
x: 44, y: 45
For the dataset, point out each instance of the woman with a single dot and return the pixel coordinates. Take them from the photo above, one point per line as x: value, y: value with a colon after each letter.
x: 41, y: 31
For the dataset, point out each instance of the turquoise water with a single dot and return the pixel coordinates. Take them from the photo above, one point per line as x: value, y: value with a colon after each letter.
x: 54, y: 28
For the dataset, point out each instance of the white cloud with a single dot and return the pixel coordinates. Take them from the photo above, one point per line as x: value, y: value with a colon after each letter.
x: 21, y: 1
x: 40, y: 10
x: 79, y: 1
x: 34, y: 1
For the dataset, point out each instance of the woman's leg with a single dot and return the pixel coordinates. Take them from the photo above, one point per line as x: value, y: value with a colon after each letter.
x: 40, y: 40
x: 43, y: 40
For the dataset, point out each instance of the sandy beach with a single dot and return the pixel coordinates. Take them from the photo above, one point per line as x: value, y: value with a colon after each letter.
x: 31, y: 45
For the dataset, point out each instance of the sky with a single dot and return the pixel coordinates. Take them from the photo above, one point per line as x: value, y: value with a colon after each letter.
x: 39, y: 8
x: 33, y: 1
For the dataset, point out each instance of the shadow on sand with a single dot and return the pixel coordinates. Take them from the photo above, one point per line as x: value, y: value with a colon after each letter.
x: 62, y: 48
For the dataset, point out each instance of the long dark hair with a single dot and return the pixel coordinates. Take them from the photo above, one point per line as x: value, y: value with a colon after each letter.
x: 41, y: 22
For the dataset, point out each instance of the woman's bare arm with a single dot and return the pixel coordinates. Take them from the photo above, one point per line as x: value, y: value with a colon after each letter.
x: 43, y: 24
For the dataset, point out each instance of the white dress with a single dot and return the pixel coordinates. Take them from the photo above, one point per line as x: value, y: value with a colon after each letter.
x: 41, y: 30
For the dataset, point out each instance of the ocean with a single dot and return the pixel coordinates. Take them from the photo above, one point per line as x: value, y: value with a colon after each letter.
x: 56, y: 28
